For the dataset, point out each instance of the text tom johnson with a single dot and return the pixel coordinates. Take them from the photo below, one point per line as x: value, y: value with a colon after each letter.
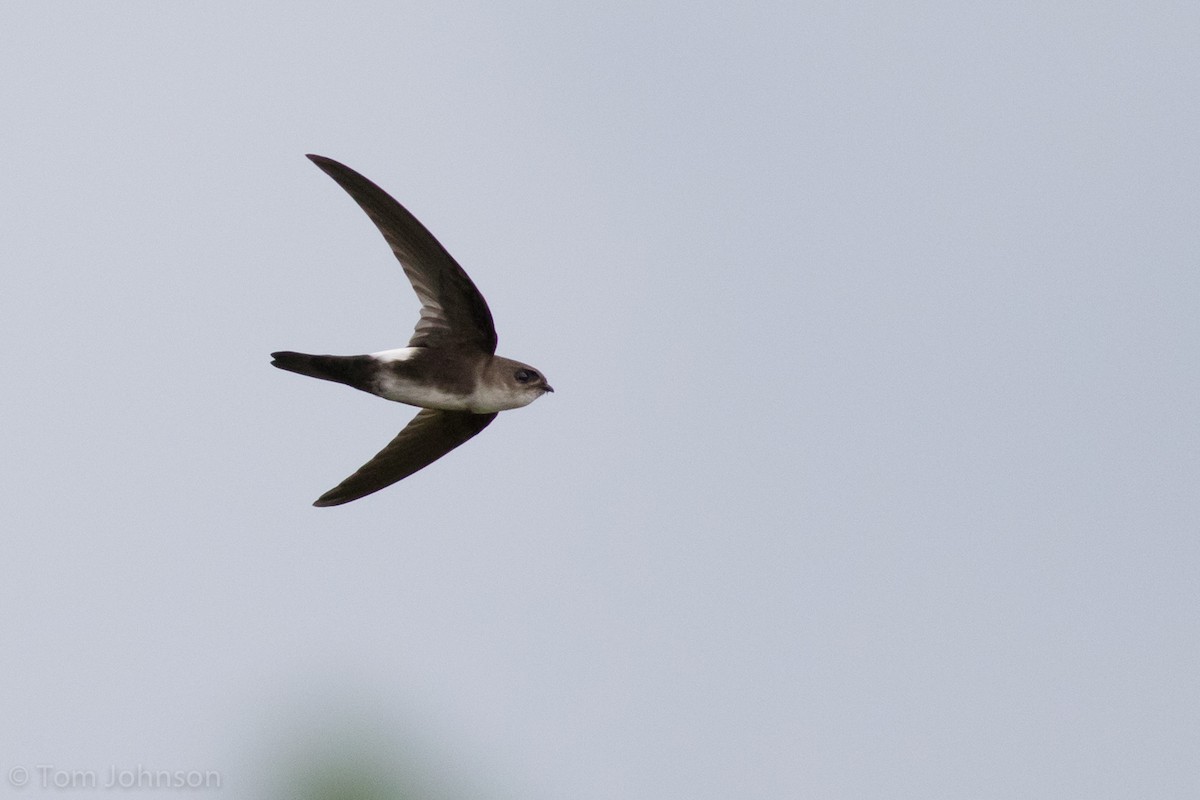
x: 126, y: 778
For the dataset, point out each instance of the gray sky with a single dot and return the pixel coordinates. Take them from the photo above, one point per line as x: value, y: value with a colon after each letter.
x: 872, y: 467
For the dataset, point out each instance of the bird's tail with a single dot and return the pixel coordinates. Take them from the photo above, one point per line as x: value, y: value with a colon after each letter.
x: 356, y: 371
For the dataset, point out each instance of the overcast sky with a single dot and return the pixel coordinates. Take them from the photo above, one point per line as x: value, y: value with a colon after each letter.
x: 872, y: 466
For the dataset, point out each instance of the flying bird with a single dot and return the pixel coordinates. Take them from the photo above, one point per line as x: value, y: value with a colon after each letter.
x: 449, y: 369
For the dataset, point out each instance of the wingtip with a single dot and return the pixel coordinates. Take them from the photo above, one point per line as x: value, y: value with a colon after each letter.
x: 337, y: 496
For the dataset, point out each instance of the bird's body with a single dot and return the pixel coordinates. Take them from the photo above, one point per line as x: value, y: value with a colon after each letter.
x: 449, y: 368
x: 420, y: 376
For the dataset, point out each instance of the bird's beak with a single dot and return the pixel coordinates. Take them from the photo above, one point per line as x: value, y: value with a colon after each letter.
x: 548, y: 388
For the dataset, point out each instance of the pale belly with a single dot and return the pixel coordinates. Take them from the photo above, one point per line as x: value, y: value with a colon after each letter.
x: 415, y: 393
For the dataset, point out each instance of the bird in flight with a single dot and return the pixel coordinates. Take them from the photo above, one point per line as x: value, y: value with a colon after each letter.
x: 449, y: 369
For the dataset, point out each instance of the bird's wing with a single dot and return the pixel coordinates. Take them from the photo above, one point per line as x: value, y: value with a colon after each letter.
x: 427, y: 437
x: 453, y: 312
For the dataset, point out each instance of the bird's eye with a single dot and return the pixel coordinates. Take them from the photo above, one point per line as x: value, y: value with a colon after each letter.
x: 524, y: 375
